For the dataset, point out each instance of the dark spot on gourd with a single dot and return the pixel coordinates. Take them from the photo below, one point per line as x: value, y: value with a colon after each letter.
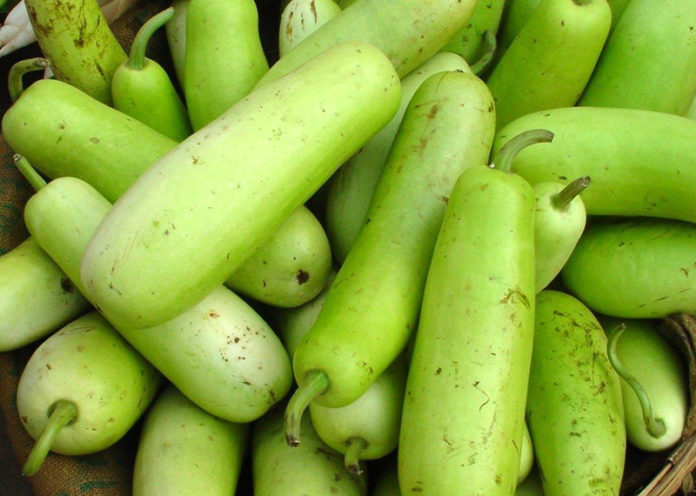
x: 66, y: 285
x: 48, y: 366
x: 433, y: 111
x: 302, y: 276
x: 288, y: 26
x: 25, y: 419
x: 214, y: 315
x: 438, y: 371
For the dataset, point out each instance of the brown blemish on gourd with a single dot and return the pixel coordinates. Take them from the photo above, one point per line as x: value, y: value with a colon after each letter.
x: 67, y: 285
x: 302, y: 276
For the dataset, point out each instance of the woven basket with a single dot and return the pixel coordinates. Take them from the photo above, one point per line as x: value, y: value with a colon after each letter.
x: 109, y: 473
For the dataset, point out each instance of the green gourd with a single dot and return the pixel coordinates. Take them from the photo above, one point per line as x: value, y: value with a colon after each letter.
x: 551, y: 59
x: 463, y: 412
x: 224, y: 57
x: 82, y: 389
x: 183, y: 450
x: 75, y: 37
x: 141, y: 88
x: 635, y: 267
x: 372, y: 306
x: 574, y: 405
x: 649, y: 61
x: 653, y: 382
x: 233, y: 184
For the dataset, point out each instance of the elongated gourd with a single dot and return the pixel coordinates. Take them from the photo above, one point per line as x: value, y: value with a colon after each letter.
x: 183, y: 450
x: 75, y: 37
x: 649, y: 61
x: 233, y: 183
x: 551, y: 59
x: 89, y: 379
x: 350, y: 189
x: 653, y: 382
x: 421, y: 28
x: 372, y: 306
x: 463, y: 412
x: 221, y: 354
x: 224, y: 58
x: 575, y: 417
x: 640, y: 162
x: 36, y: 297
x: 109, y: 150
x: 635, y: 267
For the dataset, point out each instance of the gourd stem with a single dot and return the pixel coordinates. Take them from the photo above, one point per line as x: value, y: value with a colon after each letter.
x: 34, y: 178
x: 516, y: 144
x: 655, y: 426
x: 356, y: 446
x: 315, y: 382
x: 136, y: 59
x: 61, y: 413
x: 490, y: 45
x: 562, y: 199
x: 15, y: 84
